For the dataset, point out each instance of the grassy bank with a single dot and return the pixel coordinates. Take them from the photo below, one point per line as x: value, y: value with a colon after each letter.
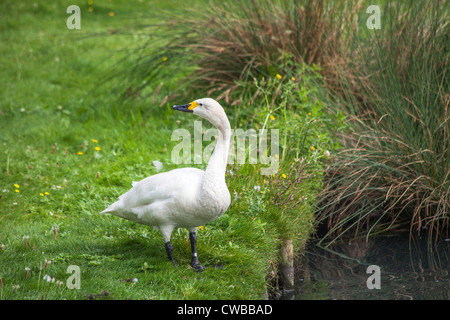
x: 70, y: 147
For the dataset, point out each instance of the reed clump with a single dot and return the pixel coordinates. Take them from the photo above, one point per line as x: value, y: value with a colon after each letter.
x: 393, y: 172
x: 252, y: 39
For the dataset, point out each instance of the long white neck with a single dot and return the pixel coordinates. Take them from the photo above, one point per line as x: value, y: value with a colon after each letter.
x: 213, y: 182
x: 217, y: 164
x: 214, y: 197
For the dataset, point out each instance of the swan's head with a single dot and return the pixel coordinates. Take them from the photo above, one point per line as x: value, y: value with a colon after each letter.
x: 206, y: 108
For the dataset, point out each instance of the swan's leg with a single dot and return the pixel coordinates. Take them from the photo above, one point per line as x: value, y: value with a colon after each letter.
x: 166, y: 233
x: 169, y: 250
x: 193, y: 240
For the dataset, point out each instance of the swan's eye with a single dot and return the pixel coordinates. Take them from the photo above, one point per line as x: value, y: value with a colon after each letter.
x: 201, y: 104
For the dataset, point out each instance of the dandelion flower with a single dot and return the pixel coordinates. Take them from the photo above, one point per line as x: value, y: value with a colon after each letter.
x: 278, y: 76
x: 262, y: 192
x: 201, y: 227
x: 97, y: 148
x: 293, y: 78
x: 46, y: 193
x: 284, y: 176
x: 90, y: 2
x: 17, y: 190
x: 164, y: 58
x: 111, y: 14
x: 272, y: 117
x: 312, y: 148
x: 95, y: 140
x: 41, y: 194
x: 16, y: 185
x: 80, y: 153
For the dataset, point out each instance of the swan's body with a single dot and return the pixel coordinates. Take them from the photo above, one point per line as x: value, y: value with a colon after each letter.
x: 185, y: 197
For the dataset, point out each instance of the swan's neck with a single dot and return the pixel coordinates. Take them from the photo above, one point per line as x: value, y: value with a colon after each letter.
x: 214, y: 176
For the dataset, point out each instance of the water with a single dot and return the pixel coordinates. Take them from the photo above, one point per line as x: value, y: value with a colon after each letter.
x: 407, y: 270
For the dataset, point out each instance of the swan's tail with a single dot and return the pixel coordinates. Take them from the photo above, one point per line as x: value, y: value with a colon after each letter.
x: 111, y: 209
x: 116, y: 206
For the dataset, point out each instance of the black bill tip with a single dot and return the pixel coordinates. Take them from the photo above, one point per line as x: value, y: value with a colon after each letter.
x: 182, y: 107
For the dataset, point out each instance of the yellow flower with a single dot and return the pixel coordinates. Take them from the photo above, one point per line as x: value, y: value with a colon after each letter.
x: 90, y: 9
x: 90, y: 2
x: 46, y: 193
x: 293, y: 78
x: 95, y: 140
x: 16, y: 185
x: 309, y: 114
x: 277, y: 157
x: 80, y: 153
x: 278, y: 76
x: 164, y: 58
x: 284, y: 176
x: 111, y: 14
x: 312, y: 148
x: 201, y: 227
x: 97, y: 148
x: 17, y: 190
x: 41, y: 194
x: 262, y: 191
x: 272, y: 117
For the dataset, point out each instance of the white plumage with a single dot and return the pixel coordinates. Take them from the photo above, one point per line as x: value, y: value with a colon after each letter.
x: 185, y: 197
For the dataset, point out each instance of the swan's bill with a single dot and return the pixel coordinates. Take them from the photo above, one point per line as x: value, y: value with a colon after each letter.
x: 186, y: 107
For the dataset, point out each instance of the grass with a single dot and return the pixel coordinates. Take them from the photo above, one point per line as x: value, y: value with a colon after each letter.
x: 70, y: 147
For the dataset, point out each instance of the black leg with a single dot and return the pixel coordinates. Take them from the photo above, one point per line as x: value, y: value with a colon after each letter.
x: 169, y: 250
x: 194, y: 261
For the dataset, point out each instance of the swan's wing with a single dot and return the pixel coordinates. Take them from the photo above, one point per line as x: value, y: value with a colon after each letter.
x: 180, y: 184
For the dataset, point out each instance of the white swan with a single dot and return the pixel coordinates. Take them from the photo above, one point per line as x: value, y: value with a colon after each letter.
x: 185, y: 197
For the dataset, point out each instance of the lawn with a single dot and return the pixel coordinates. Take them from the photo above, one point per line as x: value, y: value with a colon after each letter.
x: 70, y: 145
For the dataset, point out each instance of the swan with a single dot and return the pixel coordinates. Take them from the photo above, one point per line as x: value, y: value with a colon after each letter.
x: 183, y: 197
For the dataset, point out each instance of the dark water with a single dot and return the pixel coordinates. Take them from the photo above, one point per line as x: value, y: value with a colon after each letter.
x: 407, y: 270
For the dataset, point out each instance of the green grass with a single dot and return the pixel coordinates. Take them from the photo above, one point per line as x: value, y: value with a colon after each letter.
x: 51, y: 110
